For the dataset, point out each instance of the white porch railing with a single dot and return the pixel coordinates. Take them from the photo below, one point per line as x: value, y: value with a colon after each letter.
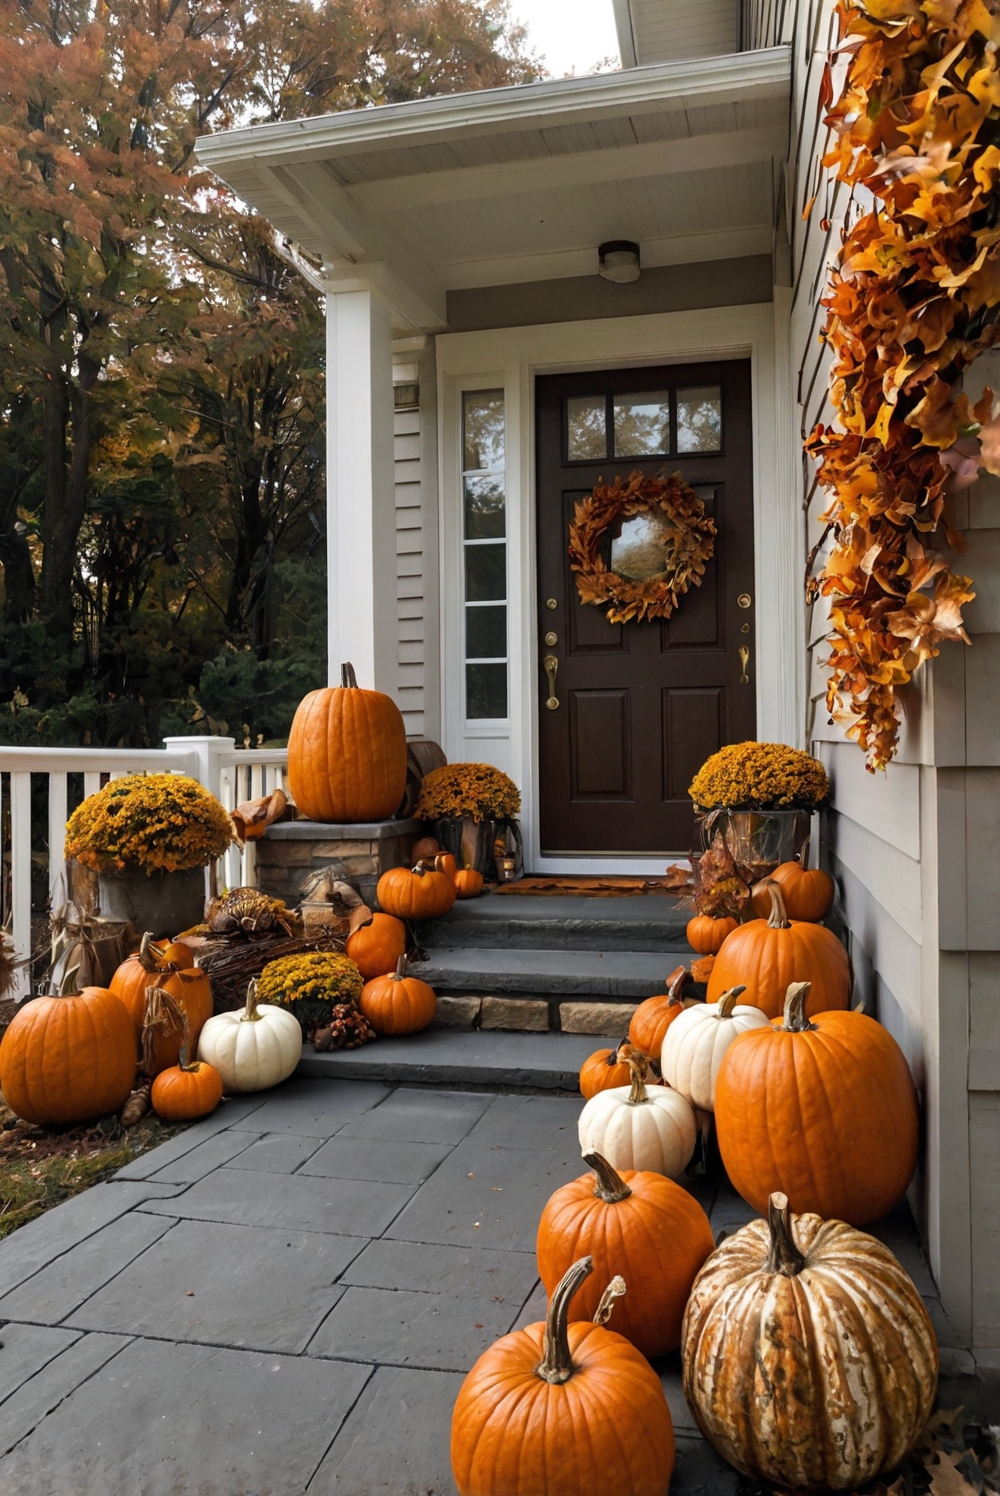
x: 232, y: 774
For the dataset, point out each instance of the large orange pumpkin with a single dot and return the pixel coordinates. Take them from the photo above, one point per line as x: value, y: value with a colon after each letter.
x: 376, y: 947
x: 639, y: 1224
x: 157, y: 966
x: 604, y: 1070
x: 468, y: 883
x: 565, y: 1409
x: 822, y: 1110
x: 347, y: 753
x: 398, y: 1004
x: 767, y: 954
x: 653, y: 1017
x: 419, y: 893
x: 808, y: 892
x: 705, y: 934
x: 67, y: 1059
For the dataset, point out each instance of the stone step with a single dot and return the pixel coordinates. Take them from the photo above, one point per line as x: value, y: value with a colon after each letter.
x: 646, y: 922
x: 616, y: 974
x: 441, y: 1057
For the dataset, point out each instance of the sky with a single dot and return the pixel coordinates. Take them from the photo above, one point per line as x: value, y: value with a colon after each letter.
x: 571, y: 35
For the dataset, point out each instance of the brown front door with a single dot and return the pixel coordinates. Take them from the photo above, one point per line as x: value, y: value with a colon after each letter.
x: 641, y: 705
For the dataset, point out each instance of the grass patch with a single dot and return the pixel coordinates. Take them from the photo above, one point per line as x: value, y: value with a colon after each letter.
x: 42, y: 1166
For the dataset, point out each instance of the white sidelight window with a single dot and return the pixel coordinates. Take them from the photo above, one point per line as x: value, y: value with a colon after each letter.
x: 484, y: 538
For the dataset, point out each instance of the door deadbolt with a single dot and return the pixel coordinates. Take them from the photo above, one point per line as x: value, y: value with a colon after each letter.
x: 551, y: 639
x: 745, y: 600
x: 552, y: 602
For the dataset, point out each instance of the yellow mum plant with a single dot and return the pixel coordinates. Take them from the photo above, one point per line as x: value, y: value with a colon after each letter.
x: 760, y: 776
x: 162, y: 823
x: 310, y: 985
x: 476, y: 790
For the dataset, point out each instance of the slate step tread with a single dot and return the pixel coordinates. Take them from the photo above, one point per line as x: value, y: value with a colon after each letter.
x: 646, y: 922
x: 448, y: 1057
x: 587, y: 973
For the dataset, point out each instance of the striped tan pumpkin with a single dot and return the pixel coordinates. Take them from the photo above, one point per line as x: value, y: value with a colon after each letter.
x: 809, y: 1358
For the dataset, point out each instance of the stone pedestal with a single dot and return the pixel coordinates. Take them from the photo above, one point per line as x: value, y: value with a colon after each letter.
x: 290, y: 851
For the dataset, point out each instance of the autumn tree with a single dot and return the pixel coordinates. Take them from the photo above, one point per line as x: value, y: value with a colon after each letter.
x: 160, y: 362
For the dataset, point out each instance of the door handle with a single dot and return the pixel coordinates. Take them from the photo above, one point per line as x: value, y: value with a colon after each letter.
x: 744, y: 662
x: 551, y: 667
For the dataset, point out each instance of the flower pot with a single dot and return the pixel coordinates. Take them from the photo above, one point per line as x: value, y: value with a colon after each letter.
x: 758, y: 840
x: 474, y: 844
x: 163, y: 903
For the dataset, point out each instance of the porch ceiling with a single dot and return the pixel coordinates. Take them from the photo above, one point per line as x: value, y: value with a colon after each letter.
x: 522, y: 184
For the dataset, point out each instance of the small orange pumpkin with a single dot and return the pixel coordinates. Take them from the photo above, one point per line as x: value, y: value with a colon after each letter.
x: 653, y: 1017
x: 67, y: 1059
x: 766, y: 955
x: 415, y: 894
x: 705, y: 934
x: 638, y: 1223
x: 425, y: 847
x: 563, y: 1408
x: 376, y: 947
x: 468, y: 883
x: 604, y: 1070
x: 398, y: 1004
x: 808, y: 892
x: 445, y: 863
x: 183, y: 1092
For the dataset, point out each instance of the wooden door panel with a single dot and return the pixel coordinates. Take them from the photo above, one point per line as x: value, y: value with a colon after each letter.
x: 642, y: 704
x: 693, y: 728
x: 600, y: 744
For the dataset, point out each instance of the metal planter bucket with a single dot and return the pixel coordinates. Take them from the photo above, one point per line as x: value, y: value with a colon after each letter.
x: 473, y: 844
x: 163, y: 903
x: 758, y: 840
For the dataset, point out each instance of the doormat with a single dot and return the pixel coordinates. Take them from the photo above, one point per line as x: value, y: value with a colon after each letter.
x: 597, y: 888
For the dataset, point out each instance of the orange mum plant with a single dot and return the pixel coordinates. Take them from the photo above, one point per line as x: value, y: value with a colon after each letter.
x: 914, y: 300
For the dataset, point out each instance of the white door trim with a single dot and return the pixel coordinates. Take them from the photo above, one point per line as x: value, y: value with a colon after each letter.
x: 509, y: 358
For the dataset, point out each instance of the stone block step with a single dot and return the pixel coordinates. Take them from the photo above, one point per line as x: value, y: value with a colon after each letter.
x: 542, y: 1062
x: 647, y: 922
x: 618, y: 974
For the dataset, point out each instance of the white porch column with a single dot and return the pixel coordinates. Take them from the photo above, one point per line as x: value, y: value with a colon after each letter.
x: 361, y: 520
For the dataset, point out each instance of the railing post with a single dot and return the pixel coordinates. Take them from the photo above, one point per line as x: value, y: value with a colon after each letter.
x: 208, y: 754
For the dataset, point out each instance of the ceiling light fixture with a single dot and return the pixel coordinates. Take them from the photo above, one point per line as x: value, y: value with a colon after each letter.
x: 619, y: 261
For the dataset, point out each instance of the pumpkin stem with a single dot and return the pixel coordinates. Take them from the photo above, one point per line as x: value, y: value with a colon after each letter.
x: 637, y: 1069
x: 784, y: 1256
x: 348, y: 679
x: 778, y: 918
x: 250, y: 1014
x: 728, y: 1001
x: 146, y: 961
x: 678, y: 979
x: 614, y: 1291
x: 796, y: 1021
x: 400, y: 972
x: 611, y: 1187
x: 556, y: 1365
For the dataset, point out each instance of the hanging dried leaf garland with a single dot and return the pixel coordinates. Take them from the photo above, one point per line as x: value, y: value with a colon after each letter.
x: 915, y: 299
x: 682, y: 548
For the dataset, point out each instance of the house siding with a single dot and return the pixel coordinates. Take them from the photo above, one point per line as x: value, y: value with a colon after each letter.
x: 415, y: 463
x: 664, y: 30
x: 916, y: 851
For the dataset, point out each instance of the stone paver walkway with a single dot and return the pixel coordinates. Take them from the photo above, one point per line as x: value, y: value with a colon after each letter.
x: 284, y: 1298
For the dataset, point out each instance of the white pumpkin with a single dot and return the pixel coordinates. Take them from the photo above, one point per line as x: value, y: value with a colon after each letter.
x: 695, y: 1042
x: 640, y: 1127
x: 252, y: 1049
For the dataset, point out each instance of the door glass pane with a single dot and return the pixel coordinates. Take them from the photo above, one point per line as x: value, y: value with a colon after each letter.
x: 485, y: 691
x: 485, y: 573
x: 586, y: 433
x: 484, y: 506
x: 699, y: 419
x: 484, y: 434
x: 486, y: 633
x: 642, y: 424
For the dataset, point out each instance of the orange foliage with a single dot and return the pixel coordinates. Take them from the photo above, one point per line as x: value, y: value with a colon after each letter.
x: 914, y: 300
